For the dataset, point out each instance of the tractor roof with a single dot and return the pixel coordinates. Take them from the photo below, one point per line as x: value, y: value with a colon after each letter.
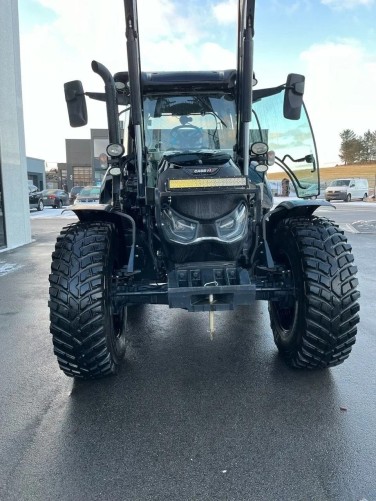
x: 167, y: 81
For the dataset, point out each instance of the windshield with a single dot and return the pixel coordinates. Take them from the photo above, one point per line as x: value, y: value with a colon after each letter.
x: 293, y: 144
x: 189, y: 122
x: 90, y: 191
x: 205, y: 121
x: 340, y: 182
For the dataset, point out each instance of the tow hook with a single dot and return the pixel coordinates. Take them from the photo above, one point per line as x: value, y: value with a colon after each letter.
x: 211, y: 312
x: 211, y: 318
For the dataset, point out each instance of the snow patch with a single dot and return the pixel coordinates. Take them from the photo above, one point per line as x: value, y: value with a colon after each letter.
x: 6, y: 268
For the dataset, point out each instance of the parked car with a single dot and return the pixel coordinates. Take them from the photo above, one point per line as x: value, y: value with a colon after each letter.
x: 73, y: 193
x: 55, y: 198
x: 88, y: 195
x: 347, y: 189
x: 35, y: 198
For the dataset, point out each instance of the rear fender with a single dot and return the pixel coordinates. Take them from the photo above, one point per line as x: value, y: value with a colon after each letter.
x: 293, y: 208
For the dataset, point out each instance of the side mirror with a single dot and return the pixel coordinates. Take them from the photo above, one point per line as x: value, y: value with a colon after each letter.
x: 293, y: 101
x: 76, y: 103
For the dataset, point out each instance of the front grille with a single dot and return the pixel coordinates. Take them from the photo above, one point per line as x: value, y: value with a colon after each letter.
x: 206, y: 207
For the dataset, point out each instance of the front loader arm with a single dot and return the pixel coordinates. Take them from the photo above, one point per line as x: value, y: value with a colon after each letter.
x: 246, y: 15
x: 134, y: 69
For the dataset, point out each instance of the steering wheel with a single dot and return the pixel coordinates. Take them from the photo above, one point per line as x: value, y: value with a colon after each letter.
x: 186, y: 136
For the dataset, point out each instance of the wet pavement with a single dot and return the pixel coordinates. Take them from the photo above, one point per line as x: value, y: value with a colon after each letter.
x: 186, y: 418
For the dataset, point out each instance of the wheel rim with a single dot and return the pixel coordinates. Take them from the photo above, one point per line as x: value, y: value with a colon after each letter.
x: 286, y: 317
x: 116, y: 328
x: 286, y: 312
x: 116, y: 321
x: 119, y: 322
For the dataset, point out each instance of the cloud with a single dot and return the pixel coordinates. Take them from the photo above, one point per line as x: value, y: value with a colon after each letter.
x: 206, y: 56
x: 226, y: 12
x: 347, y: 4
x: 291, y: 8
x: 54, y: 53
x: 340, y: 92
x: 62, y: 50
x: 340, y: 85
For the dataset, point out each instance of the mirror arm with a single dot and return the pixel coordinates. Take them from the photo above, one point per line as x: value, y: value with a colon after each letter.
x: 98, y: 96
x: 297, y: 88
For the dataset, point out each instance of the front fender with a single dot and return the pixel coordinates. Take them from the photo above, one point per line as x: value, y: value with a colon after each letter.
x: 90, y: 212
x: 294, y: 208
x: 97, y: 212
x: 122, y: 222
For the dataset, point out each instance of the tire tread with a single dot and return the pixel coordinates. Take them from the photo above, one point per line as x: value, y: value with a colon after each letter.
x: 76, y: 300
x: 331, y: 295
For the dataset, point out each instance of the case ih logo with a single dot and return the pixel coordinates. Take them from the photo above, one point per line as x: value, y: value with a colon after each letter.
x: 209, y: 170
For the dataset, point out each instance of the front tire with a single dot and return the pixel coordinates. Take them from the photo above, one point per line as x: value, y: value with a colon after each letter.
x: 88, y: 337
x: 316, y: 327
x: 348, y: 198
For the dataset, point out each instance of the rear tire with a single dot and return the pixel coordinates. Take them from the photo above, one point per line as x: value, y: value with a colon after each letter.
x: 365, y: 196
x: 88, y: 338
x: 316, y: 328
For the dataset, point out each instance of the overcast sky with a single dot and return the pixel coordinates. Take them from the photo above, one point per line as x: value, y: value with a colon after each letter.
x: 331, y: 42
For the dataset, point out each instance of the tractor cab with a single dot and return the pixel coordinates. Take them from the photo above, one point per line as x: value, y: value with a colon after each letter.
x: 197, y: 111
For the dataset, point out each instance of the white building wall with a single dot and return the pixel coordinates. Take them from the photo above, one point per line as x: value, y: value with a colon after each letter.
x: 12, y: 139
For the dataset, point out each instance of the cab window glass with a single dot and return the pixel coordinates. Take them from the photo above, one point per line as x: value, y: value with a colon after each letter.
x: 291, y: 140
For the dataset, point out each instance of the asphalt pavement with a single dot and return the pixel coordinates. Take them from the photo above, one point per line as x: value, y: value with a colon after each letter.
x: 186, y: 418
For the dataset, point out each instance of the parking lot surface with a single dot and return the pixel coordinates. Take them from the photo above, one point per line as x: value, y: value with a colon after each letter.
x: 186, y: 418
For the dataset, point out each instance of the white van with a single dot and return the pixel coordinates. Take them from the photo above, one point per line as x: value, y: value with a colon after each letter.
x: 347, y: 189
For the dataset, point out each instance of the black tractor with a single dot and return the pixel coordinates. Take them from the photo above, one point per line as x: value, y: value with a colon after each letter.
x: 186, y: 215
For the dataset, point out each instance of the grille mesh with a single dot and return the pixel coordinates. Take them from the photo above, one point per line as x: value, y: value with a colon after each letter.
x: 206, y: 207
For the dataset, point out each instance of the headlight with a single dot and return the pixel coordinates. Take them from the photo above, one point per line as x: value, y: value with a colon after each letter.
x: 115, y: 150
x: 232, y: 226
x: 182, y: 230
x: 178, y: 229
